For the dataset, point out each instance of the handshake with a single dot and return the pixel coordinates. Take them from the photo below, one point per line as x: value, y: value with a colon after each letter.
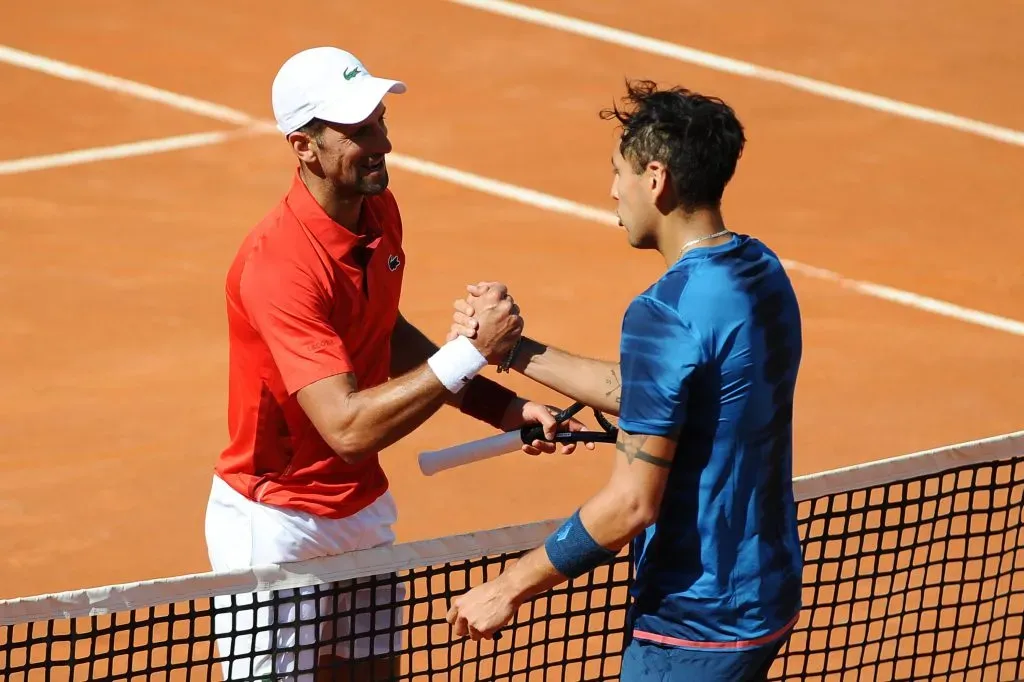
x: 490, y: 319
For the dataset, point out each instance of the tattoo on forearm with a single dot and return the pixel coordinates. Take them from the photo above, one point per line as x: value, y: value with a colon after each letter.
x: 633, y: 448
x: 614, y: 384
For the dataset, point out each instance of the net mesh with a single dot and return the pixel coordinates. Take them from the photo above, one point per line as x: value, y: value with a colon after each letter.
x: 914, y: 570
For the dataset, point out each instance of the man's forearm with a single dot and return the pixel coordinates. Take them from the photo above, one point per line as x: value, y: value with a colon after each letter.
x: 382, y: 415
x: 610, y: 519
x: 596, y: 383
x: 482, y: 399
x: 356, y: 422
x: 616, y: 514
x: 409, y: 349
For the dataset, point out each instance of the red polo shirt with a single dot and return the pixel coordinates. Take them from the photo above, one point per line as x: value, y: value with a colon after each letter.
x: 307, y: 299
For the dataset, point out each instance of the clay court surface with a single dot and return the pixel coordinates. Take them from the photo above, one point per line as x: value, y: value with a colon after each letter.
x: 111, y: 294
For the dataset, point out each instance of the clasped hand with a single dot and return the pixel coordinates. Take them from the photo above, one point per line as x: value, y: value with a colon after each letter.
x: 491, y: 319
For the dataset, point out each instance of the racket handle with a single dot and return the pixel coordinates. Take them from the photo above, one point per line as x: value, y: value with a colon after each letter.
x: 434, y: 461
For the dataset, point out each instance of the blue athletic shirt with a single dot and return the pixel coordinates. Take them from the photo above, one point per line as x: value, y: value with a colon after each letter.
x: 709, y: 356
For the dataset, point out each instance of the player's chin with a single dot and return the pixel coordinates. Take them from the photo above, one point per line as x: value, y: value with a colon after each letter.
x: 635, y: 239
x: 631, y: 236
x: 373, y: 182
x: 640, y: 239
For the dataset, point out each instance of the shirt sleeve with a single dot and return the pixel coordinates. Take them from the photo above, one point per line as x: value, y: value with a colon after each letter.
x: 658, y: 355
x: 291, y: 312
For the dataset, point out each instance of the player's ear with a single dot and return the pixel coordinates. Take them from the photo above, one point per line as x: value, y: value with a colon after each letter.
x: 657, y: 180
x: 304, y: 147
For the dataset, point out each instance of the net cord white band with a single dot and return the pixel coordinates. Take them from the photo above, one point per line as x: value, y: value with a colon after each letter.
x: 375, y: 561
x: 893, y: 469
x: 129, y: 596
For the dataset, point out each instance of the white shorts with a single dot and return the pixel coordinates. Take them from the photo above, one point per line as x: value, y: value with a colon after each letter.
x: 241, y: 533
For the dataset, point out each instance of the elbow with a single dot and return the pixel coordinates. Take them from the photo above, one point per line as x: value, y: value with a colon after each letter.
x: 348, y: 440
x: 644, y: 518
x: 348, y: 446
x: 638, y: 512
x: 346, y: 435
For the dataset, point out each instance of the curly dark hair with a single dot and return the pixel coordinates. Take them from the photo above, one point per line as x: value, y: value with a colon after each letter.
x: 697, y: 137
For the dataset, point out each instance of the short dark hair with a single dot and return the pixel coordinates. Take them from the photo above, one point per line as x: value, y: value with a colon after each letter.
x: 698, y: 138
x: 315, y: 129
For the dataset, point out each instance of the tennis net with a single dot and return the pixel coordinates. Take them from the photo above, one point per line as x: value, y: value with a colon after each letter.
x: 914, y: 569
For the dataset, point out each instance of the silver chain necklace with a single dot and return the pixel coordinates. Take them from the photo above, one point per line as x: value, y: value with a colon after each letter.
x: 698, y: 240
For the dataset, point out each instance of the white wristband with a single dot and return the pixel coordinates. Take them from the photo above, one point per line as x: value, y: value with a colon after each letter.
x: 456, y: 363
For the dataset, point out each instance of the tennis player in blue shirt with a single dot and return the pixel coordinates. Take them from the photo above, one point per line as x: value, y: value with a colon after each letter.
x: 702, y: 484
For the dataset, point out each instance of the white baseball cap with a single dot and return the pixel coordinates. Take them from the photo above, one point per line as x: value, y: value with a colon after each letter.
x: 329, y: 84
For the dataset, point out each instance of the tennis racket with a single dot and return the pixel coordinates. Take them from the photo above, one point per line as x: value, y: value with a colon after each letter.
x: 435, y: 461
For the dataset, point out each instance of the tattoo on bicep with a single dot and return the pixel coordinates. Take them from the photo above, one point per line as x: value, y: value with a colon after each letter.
x: 633, y: 448
x: 614, y: 384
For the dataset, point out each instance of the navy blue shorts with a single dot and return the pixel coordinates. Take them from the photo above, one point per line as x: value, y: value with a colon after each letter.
x: 650, y: 662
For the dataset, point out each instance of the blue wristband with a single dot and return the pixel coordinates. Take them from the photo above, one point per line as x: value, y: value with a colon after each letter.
x: 573, y: 551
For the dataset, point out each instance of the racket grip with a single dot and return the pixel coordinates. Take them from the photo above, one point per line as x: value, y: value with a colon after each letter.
x: 434, y: 461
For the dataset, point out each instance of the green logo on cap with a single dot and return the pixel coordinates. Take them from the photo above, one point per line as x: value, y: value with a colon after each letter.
x: 349, y: 75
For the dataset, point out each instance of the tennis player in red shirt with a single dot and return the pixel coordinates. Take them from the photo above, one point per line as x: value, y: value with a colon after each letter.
x: 325, y: 372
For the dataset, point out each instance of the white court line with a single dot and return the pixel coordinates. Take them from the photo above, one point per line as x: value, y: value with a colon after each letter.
x: 117, y: 151
x: 522, y: 195
x: 736, y: 67
x: 909, y: 299
x: 71, y: 72
x: 500, y: 189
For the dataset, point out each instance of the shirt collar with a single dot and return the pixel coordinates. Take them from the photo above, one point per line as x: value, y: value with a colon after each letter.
x: 334, y: 237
